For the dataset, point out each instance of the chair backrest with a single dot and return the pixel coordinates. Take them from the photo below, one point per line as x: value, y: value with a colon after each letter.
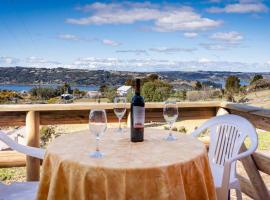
x: 30, y: 151
x: 227, y: 134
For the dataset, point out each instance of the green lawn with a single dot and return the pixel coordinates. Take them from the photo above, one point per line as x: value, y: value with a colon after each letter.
x: 8, y: 175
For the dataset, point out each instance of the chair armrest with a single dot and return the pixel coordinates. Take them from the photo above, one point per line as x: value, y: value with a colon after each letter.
x: 30, y: 151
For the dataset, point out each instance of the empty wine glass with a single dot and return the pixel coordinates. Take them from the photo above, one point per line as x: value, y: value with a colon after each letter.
x: 170, y: 113
x: 97, y: 126
x: 120, y: 110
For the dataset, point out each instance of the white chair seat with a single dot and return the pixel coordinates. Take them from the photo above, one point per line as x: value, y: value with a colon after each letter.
x: 19, y: 191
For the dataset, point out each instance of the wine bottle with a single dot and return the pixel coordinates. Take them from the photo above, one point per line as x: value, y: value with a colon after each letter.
x: 137, y: 115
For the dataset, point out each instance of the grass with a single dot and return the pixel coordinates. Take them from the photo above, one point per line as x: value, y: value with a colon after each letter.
x: 9, y: 175
x: 264, y: 141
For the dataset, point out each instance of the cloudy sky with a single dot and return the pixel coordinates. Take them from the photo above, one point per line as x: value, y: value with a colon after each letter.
x: 217, y: 35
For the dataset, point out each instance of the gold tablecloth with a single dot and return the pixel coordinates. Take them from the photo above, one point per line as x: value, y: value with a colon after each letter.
x: 154, y: 169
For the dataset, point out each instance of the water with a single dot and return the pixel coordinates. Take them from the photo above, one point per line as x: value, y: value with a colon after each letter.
x: 29, y: 87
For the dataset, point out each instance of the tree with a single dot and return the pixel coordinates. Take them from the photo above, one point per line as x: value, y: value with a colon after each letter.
x: 110, y: 93
x: 198, y: 85
x: 103, y: 88
x: 156, y: 90
x: 255, y: 78
x: 44, y: 93
x: 152, y: 77
x: 232, y: 84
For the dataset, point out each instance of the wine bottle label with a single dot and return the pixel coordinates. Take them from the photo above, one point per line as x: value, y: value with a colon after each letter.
x: 138, y: 116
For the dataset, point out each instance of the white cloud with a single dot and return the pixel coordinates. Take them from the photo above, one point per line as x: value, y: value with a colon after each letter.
x: 231, y: 37
x: 213, y: 46
x: 165, y: 18
x: 41, y: 62
x: 6, y: 60
x: 149, y: 65
x: 190, y: 34
x: 146, y: 65
x: 110, y: 42
x: 268, y: 62
x: 171, y: 49
x: 135, y: 51
x: 240, y: 8
x: 69, y: 37
x: 204, y: 60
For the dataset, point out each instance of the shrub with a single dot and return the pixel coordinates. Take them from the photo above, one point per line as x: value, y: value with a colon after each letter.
x: 232, y: 84
x: 182, y: 129
x: 47, y: 133
x: 174, y: 128
x: 156, y: 91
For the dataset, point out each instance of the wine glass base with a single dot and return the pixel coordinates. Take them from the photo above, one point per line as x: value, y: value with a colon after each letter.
x: 119, y: 130
x: 96, y: 154
x: 170, y: 138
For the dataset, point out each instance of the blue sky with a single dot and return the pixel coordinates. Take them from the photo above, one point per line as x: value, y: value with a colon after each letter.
x: 230, y: 35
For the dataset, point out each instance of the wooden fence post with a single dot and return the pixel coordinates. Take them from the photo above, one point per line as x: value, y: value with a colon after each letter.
x: 260, y: 189
x: 33, y: 138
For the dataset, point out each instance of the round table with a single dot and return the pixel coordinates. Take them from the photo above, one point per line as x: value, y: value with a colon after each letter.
x: 153, y: 169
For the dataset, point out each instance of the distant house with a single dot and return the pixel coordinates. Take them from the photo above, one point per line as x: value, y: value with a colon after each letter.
x: 93, y: 94
x: 123, y: 90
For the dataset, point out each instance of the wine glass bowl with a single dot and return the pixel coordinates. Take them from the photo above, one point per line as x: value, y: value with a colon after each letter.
x: 97, y: 126
x: 170, y: 113
x: 120, y: 110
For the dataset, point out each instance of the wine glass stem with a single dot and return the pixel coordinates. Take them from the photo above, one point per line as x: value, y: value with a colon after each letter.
x: 119, y: 123
x: 97, y: 143
x: 170, y: 132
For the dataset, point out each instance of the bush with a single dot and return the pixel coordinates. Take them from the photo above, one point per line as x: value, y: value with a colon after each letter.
x: 232, y: 84
x: 203, y: 95
x: 47, y: 133
x: 110, y: 93
x: 174, y: 128
x: 182, y: 129
x: 155, y: 91
x: 44, y: 93
x: 53, y: 100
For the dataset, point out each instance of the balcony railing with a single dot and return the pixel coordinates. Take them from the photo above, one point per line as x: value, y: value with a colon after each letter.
x: 32, y: 116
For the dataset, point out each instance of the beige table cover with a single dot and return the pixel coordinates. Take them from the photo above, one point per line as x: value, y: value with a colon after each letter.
x: 154, y: 169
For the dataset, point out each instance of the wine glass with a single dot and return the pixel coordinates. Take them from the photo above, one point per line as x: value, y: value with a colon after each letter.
x: 120, y: 110
x: 170, y: 113
x: 97, y: 126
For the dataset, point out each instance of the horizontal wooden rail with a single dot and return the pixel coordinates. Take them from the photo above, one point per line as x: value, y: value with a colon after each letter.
x: 15, y: 115
x: 12, y: 159
x: 258, y: 116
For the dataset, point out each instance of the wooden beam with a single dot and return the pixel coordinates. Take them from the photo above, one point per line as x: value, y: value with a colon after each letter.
x: 259, y: 117
x: 12, y: 159
x: 33, y: 139
x: 259, y: 186
x: 12, y: 118
x: 262, y: 162
x: 89, y: 106
x: 247, y: 188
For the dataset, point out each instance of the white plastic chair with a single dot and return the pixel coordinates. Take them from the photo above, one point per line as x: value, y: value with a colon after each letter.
x: 22, y: 190
x: 227, y: 134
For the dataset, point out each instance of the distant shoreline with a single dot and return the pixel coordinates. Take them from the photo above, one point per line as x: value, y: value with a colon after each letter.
x: 28, y: 87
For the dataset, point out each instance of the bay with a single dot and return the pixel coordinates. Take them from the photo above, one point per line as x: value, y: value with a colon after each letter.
x: 19, y: 88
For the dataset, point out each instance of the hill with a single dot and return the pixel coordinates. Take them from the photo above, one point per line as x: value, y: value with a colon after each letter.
x: 29, y: 75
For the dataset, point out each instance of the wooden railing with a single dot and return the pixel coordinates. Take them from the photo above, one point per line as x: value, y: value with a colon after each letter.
x: 32, y: 116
